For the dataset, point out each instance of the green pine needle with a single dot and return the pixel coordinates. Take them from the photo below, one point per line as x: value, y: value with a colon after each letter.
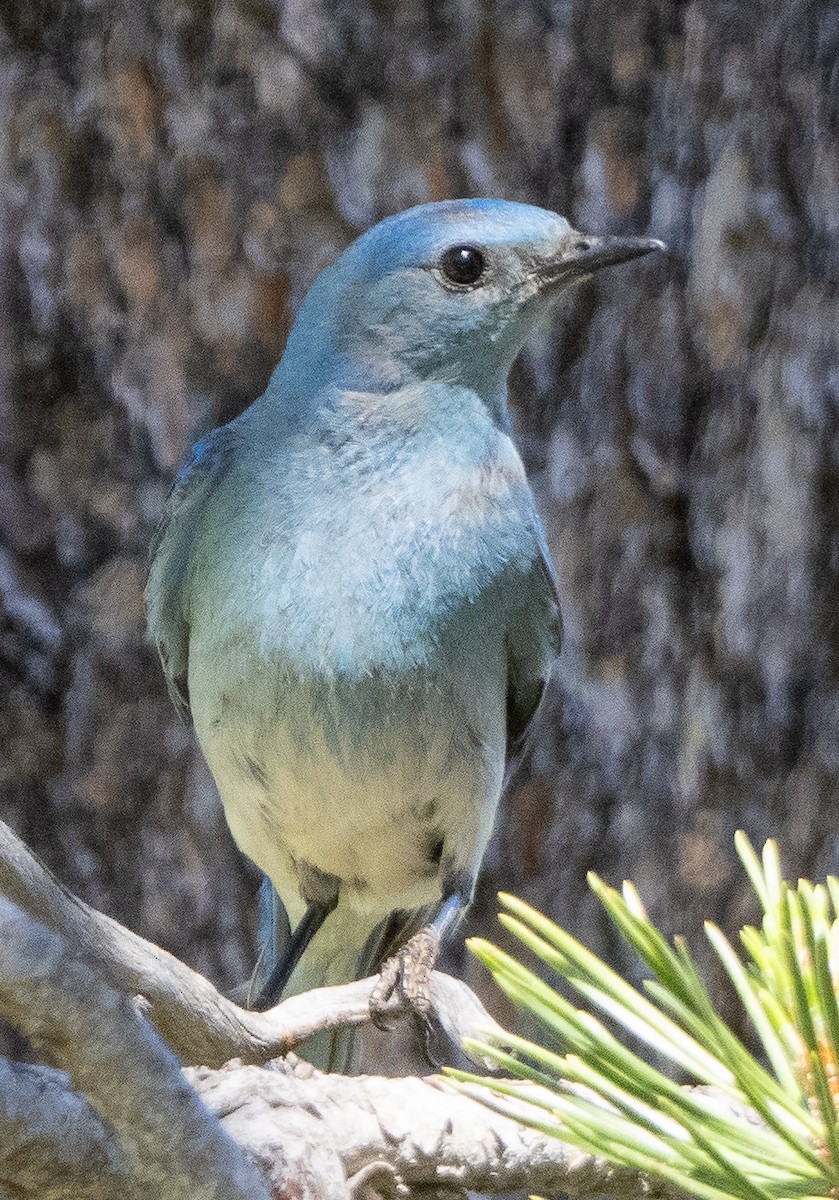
x: 589, y: 1089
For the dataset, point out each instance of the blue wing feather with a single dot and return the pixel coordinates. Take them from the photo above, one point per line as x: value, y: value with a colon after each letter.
x: 170, y: 554
x: 534, y: 640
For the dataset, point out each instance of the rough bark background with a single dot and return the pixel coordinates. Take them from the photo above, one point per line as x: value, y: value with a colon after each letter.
x: 172, y: 177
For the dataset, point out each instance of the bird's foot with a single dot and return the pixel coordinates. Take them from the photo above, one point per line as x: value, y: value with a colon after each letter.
x: 404, y: 983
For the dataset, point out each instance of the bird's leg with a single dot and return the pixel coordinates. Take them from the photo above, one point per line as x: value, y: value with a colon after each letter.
x: 404, y: 980
x: 270, y: 991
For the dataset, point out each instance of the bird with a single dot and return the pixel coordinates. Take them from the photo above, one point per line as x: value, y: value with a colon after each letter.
x: 352, y: 596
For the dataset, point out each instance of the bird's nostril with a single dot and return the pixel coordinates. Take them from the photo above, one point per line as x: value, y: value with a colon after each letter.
x: 582, y: 246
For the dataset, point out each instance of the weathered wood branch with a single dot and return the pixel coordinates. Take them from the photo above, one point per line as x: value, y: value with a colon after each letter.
x: 49, y: 1133
x: 414, y: 1134
x: 317, y: 1136
x: 122, y: 1118
x: 195, y: 1020
x: 171, y: 1146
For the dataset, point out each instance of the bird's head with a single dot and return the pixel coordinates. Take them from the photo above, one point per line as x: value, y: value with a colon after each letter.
x: 444, y: 292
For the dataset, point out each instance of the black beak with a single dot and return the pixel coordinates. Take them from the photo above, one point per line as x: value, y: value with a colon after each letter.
x: 584, y: 255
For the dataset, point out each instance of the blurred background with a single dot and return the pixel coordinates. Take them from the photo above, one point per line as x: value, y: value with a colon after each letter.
x: 173, y: 176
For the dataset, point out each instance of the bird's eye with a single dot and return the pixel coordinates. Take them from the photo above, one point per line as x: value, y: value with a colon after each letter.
x: 462, y: 264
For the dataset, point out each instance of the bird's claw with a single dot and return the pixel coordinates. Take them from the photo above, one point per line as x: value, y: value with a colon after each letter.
x: 404, y: 983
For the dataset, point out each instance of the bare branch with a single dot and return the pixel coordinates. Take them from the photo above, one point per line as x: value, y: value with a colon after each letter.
x: 316, y: 1135
x: 324, y: 1137
x: 321, y: 1137
x: 52, y: 1143
x: 173, y: 1149
x: 421, y: 1131
x: 196, y: 1021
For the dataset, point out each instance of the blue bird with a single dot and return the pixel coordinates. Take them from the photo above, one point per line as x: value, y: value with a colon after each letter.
x: 352, y: 596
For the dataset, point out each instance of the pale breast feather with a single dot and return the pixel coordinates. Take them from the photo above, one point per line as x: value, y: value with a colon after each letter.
x: 375, y: 581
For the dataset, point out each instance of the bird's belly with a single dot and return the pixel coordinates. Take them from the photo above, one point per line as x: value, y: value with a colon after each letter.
x: 391, y: 791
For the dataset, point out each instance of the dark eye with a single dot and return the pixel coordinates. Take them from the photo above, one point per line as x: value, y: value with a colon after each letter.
x: 462, y: 264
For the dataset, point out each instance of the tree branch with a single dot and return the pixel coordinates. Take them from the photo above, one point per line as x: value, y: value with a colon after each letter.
x: 321, y: 1137
x: 414, y: 1134
x: 194, y: 1019
x: 171, y: 1147
x: 51, y: 1137
x: 140, y: 1126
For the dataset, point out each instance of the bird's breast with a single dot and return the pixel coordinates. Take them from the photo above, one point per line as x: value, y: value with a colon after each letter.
x: 367, y: 565
x: 347, y: 665
x: 388, y: 784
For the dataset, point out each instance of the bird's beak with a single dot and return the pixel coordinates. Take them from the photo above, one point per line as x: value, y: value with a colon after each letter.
x: 580, y: 256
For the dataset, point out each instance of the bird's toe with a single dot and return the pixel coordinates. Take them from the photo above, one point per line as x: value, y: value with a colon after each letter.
x: 404, y: 983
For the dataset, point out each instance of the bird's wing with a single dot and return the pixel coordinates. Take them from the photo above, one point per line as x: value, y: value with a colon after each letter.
x: 534, y: 638
x: 171, y: 550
